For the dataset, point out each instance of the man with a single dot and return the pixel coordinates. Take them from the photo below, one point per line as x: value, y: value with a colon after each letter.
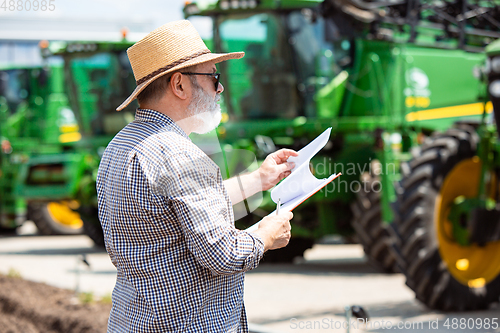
x: 166, y: 213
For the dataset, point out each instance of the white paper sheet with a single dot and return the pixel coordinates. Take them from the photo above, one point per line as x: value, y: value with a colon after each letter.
x: 301, y: 183
x: 301, y: 180
x: 289, y: 206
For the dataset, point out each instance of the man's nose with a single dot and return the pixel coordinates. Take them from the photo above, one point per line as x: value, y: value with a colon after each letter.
x: 220, y: 88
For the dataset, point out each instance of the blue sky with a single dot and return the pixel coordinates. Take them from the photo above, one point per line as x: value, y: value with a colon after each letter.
x: 154, y: 12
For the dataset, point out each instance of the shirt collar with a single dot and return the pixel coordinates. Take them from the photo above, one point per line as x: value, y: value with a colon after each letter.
x: 148, y: 115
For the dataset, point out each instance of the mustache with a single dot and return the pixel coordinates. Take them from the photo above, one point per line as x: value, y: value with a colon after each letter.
x: 217, y: 98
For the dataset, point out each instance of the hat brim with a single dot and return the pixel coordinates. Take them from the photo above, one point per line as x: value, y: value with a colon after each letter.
x: 216, y: 57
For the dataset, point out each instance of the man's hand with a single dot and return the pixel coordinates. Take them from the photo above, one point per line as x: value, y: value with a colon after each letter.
x: 275, y: 167
x: 275, y: 230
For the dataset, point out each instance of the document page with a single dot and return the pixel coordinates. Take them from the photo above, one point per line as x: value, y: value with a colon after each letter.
x: 301, y: 183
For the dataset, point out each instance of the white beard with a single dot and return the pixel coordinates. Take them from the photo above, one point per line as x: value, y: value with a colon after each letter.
x: 204, y: 112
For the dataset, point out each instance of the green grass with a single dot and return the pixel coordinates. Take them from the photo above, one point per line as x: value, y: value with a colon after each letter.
x: 14, y: 273
x: 106, y: 299
x: 86, y: 298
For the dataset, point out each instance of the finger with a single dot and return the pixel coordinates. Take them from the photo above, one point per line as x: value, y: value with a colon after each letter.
x: 284, y: 175
x: 285, y: 153
x: 284, y: 167
x: 284, y: 221
x: 286, y: 226
x: 282, y: 155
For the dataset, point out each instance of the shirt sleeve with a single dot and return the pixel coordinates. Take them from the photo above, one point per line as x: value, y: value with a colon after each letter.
x: 194, y: 187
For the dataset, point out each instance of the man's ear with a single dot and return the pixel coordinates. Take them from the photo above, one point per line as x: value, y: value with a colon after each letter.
x: 178, y: 85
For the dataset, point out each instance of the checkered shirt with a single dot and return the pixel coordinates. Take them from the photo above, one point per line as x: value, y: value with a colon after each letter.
x: 169, y: 229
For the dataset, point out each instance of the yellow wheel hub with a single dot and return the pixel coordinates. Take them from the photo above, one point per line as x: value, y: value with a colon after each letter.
x: 472, y: 265
x: 63, y: 213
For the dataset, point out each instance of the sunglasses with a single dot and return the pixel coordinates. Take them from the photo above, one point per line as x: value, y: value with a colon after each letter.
x: 215, y: 78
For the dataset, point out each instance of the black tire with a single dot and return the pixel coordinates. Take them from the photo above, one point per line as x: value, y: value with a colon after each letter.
x: 39, y: 213
x: 8, y: 231
x: 367, y: 221
x: 92, y: 225
x: 415, y: 242
x: 295, y: 248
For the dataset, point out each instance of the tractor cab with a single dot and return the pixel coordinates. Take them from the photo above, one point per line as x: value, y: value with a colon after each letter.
x: 290, y: 55
x: 98, y: 77
x: 287, y: 61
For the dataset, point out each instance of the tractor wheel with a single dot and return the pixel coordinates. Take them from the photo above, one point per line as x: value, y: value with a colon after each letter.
x: 443, y: 274
x: 367, y: 222
x: 55, y: 218
x: 7, y: 231
x: 91, y: 225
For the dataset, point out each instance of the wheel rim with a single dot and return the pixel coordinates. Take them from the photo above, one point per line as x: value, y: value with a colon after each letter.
x: 62, y: 214
x: 472, y: 265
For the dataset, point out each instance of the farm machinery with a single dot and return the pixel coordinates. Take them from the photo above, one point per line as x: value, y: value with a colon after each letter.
x: 408, y: 90
x: 404, y: 86
x: 37, y: 127
x: 55, y: 122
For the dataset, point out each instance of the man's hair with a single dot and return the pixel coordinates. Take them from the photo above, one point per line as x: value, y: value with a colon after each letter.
x: 155, y: 90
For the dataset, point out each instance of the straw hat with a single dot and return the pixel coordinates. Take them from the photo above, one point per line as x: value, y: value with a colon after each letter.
x: 169, y: 48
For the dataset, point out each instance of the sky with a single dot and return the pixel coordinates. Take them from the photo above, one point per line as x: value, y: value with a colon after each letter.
x: 153, y: 13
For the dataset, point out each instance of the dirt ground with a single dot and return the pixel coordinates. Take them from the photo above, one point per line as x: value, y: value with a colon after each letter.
x: 30, y: 307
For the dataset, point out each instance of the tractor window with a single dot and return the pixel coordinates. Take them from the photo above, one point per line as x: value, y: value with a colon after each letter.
x: 288, y: 59
x: 99, y: 84
x: 310, y: 52
x: 261, y: 85
x: 317, y: 60
x: 14, y: 87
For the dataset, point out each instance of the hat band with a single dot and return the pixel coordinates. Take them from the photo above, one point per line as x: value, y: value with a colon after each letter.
x: 175, y: 63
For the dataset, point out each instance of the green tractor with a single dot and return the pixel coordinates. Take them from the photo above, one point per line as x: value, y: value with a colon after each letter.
x: 97, y: 77
x: 36, y: 127
x: 447, y: 228
x: 385, y: 76
x: 55, y: 123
